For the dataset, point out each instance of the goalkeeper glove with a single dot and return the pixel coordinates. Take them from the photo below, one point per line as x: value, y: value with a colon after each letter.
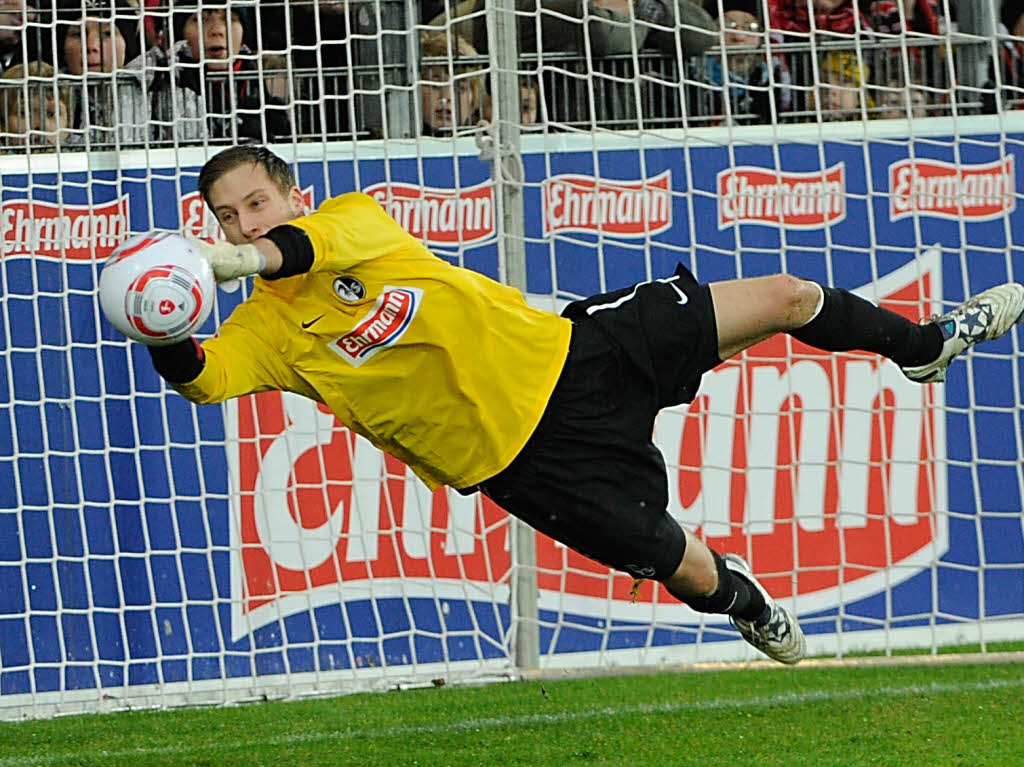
x: 229, y: 261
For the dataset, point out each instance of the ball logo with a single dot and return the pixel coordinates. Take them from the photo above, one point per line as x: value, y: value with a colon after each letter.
x: 349, y: 289
x: 164, y: 301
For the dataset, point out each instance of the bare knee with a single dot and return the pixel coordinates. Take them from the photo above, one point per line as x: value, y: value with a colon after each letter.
x: 796, y: 300
x: 697, y: 575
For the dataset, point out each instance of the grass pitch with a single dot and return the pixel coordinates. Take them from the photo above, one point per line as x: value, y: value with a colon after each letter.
x: 905, y: 715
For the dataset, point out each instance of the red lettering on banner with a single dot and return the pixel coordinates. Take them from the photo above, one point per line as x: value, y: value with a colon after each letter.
x: 947, y: 190
x: 440, y: 217
x: 824, y: 470
x: 51, y: 230
x: 575, y: 203
x: 336, y: 512
x: 752, y: 195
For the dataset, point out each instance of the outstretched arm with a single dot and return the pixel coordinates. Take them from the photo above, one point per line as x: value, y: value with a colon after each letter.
x: 284, y: 251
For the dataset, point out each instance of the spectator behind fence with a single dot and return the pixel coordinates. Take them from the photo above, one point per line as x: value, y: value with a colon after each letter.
x: 896, y: 95
x: 840, y: 90
x: 798, y: 18
x: 452, y: 93
x: 529, y: 102
x: 315, y: 35
x: 752, y: 84
x: 1010, y: 61
x: 100, y: 44
x: 14, y: 15
x: 211, y: 56
x: 904, y: 23
x: 1011, y: 14
x: 613, y: 26
x: 897, y: 17
x: 35, y: 110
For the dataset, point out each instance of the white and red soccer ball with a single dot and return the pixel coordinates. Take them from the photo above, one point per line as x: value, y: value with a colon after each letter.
x: 157, y: 289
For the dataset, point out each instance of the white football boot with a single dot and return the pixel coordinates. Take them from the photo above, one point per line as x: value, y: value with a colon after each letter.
x: 780, y: 637
x: 983, y: 317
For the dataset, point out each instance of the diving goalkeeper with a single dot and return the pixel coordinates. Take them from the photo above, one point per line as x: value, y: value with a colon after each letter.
x: 550, y: 416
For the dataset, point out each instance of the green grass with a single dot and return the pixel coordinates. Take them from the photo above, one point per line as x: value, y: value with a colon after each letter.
x: 906, y: 715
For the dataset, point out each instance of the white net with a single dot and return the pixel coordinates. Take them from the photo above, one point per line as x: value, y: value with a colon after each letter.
x: 155, y: 553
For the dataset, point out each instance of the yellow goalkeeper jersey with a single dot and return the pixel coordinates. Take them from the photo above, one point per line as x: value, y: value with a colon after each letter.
x: 441, y: 367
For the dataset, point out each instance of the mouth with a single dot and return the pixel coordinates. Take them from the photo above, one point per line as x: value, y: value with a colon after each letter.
x: 217, y: 52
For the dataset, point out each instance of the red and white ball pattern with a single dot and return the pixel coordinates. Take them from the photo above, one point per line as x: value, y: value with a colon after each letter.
x: 157, y: 289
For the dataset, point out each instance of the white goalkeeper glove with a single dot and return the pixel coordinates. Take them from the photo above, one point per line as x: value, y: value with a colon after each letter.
x: 230, y: 262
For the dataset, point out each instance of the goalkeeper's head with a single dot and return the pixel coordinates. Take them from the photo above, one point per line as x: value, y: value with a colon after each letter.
x: 250, y: 190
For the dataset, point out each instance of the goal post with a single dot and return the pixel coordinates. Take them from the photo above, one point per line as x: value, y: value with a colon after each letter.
x: 155, y: 553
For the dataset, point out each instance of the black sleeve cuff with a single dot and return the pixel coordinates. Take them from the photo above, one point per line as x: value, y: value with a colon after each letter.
x: 296, y: 251
x: 178, y: 363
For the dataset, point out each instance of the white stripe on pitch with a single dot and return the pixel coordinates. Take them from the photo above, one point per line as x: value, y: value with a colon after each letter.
x: 763, y: 701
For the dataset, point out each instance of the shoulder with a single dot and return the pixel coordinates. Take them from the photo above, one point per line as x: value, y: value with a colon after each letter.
x: 351, y: 201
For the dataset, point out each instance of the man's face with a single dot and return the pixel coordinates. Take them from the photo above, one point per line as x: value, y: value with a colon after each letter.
x: 218, y: 41
x: 13, y: 15
x: 248, y: 204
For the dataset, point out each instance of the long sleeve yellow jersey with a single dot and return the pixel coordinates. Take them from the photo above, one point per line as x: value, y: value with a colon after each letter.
x: 442, y: 367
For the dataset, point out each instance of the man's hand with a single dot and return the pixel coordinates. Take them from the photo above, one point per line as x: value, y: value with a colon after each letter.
x: 229, y: 261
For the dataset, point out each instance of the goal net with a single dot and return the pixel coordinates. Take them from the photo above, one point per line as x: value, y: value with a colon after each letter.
x: 155, y: 553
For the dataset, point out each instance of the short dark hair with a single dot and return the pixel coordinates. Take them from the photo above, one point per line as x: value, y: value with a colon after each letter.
x: 245, y: 154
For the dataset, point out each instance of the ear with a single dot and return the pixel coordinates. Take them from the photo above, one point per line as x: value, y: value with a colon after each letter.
x: 297, y: 201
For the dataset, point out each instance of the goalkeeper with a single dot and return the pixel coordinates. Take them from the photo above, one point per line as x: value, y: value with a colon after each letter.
x: 550, y: 416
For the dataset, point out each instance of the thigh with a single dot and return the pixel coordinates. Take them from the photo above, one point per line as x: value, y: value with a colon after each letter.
x: 604, y: 516
x: 666, y: 328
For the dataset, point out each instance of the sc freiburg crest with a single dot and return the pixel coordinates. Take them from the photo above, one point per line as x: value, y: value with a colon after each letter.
x: 349, y: 289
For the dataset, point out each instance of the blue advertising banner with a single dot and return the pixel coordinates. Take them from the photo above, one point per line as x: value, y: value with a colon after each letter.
x: 132, y: 524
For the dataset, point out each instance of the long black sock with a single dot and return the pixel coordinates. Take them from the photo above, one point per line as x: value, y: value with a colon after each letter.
x: 848, y: 322
x: 735, y: 595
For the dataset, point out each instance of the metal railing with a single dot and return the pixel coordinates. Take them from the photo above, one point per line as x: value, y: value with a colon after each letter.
x: 790, y: 83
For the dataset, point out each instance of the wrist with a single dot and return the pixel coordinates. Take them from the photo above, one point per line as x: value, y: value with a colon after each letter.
x: 266, y: 253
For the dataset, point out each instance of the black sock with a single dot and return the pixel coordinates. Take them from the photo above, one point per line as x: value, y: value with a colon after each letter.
x: 735, y: 595
x: 848, y: 322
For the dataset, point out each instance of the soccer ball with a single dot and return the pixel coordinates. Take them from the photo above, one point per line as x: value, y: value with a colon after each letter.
x: 157, y: 289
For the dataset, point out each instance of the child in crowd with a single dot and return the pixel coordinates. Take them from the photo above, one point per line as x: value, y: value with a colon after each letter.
x: 35, y: 110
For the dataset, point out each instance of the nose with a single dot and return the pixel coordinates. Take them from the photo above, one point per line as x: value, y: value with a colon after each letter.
x: 215, y: 28
x: 250, y: 226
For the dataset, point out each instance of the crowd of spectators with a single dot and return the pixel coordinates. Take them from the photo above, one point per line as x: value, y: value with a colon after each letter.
x: 122, y: 73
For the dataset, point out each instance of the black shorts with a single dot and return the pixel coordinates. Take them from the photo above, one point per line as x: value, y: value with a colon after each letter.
x: 590, y: 475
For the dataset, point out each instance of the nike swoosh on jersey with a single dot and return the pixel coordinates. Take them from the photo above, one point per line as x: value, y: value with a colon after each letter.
x: 682, y: 296
x: 307, y: 325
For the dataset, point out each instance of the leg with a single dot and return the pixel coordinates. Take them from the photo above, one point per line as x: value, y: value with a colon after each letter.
x: 711, y: 583
x: 751, y: 310
x: 832, y: 319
